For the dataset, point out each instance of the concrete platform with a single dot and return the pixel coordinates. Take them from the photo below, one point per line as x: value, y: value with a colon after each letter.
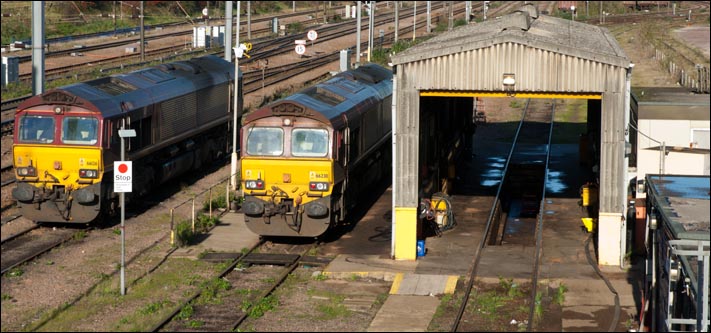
x: 230, y: 235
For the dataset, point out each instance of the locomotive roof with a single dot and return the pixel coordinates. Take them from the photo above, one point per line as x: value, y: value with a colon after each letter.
x: 348, y: 93
x: 119, y: 93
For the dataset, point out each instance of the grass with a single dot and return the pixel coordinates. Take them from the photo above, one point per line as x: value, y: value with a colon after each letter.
x: 333, y: 309
x: 152, y: 298
x: 257, y: 310
x: 559, y: 295
x: 446, y: 304
x: 184, y: 233
x: 63, y: 18
x: 80, y: 235
x: 212, y: 291
x: 538, y: 307
x: 331, y: 306
x: 320, y: 277
x: 15, y: 272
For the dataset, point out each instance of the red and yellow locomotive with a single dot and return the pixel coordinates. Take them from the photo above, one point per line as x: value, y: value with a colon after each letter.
x: 306, y: 159
x: 66, y: 140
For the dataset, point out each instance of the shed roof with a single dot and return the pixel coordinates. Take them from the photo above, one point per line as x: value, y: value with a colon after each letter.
x: 525, y: 27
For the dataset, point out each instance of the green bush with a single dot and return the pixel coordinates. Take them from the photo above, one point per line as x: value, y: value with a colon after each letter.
x: 294, y: 28
x: 184, y: 230
x: 204, y: 223
x: 380, y: 56
x: 218, y: 201
x: 401, y: 45
x: 183, y: 233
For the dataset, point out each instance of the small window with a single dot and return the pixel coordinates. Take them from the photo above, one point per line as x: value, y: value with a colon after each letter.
x: 265, y: 141
x: 309, y: 142
x: 36, y: 129
x: 80, y: 130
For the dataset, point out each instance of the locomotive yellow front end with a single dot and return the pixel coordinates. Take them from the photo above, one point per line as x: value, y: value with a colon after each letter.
x: 58, y: 167
x: 287, y: 179
x: 287, y: 197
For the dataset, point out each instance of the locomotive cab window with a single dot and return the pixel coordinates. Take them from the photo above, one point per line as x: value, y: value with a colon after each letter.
x: 309, y: 142
x: 265, y: 141
x: 80, y: 130
x: 36, y: 129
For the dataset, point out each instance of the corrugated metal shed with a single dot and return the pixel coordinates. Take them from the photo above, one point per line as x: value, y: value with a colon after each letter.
x: 547, y: 55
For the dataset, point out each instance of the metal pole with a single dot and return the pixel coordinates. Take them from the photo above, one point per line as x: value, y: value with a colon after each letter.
x: 414, y: 21
x: 143, y: 32
x: 358, y: 34
x: 233, y: 167
x: 429, y: 16
x: 468, y: 10
x: 397, y: 20
x: 263, y: 68
x: 664, y: 154
x: 600, y: 3
x: 172, y: 228
x: 227, y: 196
x: 228, y: 30
x: 114, y: 18
x: 123, y: 229
x: 450, y: 24
x: 37, y: 47
x: 123, y: 134
x: 395, y: 179
x: 249, y: 20
x: 371, y: 13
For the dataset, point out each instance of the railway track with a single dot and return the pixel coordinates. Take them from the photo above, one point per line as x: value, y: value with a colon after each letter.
x: 32, y: 243
x: 260, y: 272
x: 536, y: 124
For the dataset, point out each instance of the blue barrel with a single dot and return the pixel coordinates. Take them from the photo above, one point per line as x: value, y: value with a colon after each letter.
x: 421, y: 248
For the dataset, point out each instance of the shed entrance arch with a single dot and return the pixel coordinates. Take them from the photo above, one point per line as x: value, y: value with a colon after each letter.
x: 524, y: 55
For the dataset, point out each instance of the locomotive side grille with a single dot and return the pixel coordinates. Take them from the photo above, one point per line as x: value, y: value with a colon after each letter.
x: 178, y: 116
x: 212, y: 102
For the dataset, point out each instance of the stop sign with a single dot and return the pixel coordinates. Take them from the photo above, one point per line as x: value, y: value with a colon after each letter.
x: 123, y: 176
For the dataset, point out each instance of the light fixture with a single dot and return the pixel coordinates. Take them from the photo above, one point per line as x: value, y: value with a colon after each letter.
x: 509, y: 82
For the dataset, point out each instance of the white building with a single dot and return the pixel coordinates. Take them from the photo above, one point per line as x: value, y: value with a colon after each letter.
x: 673, y: 121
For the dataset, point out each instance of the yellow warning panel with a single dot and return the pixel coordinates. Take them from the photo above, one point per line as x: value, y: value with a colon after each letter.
x: 405, y: 233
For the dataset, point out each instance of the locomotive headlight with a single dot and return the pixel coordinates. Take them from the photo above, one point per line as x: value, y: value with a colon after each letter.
x: 88, y: 173
x: 318, y: 186
x: 27, y: 171
x: 287, y: 122
x: 254, y: 184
